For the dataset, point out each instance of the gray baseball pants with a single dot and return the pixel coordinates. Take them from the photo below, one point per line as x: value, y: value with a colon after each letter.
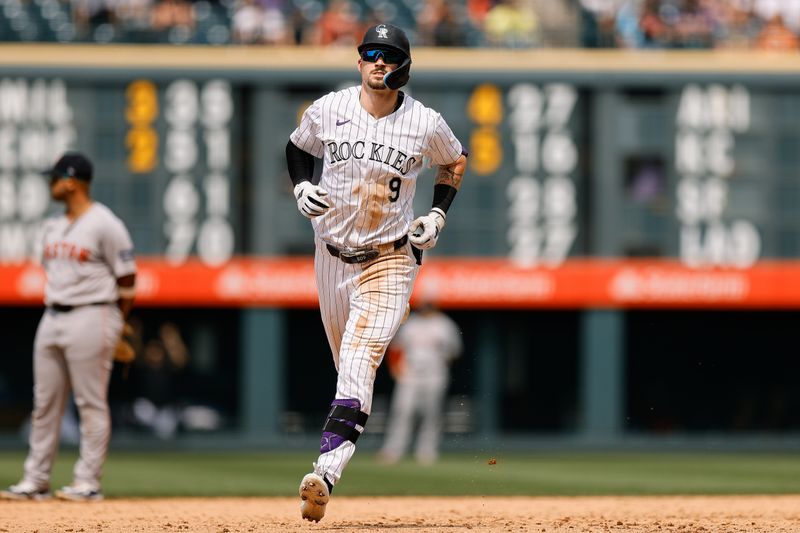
x: 73, y: 350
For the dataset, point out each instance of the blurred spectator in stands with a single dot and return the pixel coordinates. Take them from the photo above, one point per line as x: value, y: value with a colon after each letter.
x: 655, y: 32
x: 559, y: 22
x: 259, y: 22
x: 477, y: 10
x: 383, y: 11
x: 598, y: 28
x: 133, y: 16
x: 696, y: 24
x: 437, y: 25
x: 168, y: 14
x: 627, y: 22
x: 274, y: 29
x: 775, y: 35
x: 298, y: 27
x: 89, y: 14
x: 791, y: 15
x: 338, y: 25
x: 789, y: 10
x: 246, y: 22
x: 513, y: 24
x: 739, y: 26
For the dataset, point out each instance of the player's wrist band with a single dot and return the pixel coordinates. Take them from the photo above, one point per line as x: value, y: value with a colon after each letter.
x: 439, y: 212
x: 126, y: 292
x: 443, y: 196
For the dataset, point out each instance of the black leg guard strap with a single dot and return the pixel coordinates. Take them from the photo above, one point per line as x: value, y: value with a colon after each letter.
x: 343, y: 430
x: 342, y: 422
x: 348, y: 414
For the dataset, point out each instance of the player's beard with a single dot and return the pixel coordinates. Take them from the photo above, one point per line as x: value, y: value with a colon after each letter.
x: 376, y: 85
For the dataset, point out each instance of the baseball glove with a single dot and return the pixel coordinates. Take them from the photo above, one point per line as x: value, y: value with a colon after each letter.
x: 124, y: 352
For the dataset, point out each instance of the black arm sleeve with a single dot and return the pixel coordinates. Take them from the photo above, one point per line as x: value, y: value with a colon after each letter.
x: 300, y: 163
x: 443, y: 196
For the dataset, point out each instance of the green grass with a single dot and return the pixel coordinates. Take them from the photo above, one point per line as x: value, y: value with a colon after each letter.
x: 151, y: 474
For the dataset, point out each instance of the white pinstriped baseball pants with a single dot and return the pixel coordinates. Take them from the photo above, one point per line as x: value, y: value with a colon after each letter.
x: 362, y: 306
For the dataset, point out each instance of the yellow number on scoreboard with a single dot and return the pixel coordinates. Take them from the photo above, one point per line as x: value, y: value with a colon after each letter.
x: 142, y: 140
x: 142, y: 108
x: 486, y: 151
x: 485, y: 105
x: 485, y: 108
x: 142, y: 145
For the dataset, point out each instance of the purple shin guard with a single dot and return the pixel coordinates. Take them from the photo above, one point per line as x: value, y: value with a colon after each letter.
x: 330, y: 441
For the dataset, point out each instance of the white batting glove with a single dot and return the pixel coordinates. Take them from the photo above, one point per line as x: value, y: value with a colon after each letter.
x: 424, y: 231
x: 311, y: 199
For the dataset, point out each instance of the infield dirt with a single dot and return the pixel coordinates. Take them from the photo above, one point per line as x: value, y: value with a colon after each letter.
x: 659, y: 514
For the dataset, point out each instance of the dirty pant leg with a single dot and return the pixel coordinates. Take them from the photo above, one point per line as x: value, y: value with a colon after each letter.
x: 378, y: 297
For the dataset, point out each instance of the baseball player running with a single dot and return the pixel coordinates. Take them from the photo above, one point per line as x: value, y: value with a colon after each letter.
x: 89, y: 265
x: 372, y: 139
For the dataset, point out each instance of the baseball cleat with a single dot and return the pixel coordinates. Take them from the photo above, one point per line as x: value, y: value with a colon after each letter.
x: 25, y: 490
x: 314, y: 495
x: 79, y: 492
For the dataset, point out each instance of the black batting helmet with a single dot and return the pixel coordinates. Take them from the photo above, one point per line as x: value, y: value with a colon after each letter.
x: 388, y: 36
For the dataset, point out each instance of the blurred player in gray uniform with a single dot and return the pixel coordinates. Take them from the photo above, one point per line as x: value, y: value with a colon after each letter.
x: 427, y: 344
x: 88, y: 260
x: 372, y: 139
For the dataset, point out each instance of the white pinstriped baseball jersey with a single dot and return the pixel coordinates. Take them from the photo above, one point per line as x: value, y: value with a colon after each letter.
x: 370, y: 166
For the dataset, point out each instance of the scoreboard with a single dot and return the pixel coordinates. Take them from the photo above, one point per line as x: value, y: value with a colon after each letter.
x: 532, y: 128
x: 162, y: 153
x: 575, y: 157
x: 188, y: 153
x: 173, y: 157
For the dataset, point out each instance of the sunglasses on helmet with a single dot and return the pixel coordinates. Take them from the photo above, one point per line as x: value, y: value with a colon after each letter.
x: 390, y: 57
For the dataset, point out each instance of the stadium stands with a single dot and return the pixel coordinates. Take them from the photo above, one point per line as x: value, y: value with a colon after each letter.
x: 503, y: 23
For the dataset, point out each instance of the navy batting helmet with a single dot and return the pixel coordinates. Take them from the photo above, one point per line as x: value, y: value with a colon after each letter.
x: 392, y: 37
x: 71, y: 165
